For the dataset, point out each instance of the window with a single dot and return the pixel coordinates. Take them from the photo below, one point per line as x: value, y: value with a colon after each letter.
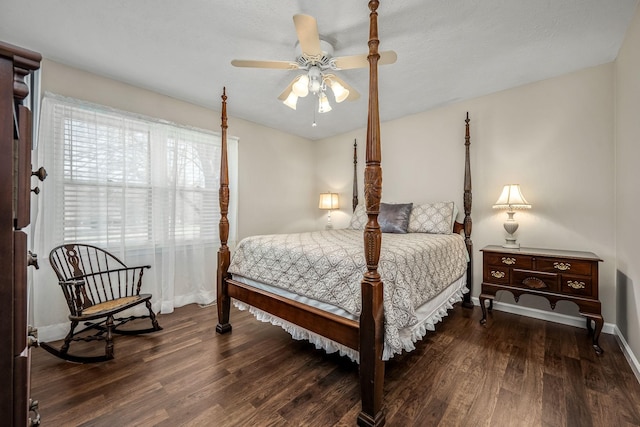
x: 142, y: 188
x: 126, y: 178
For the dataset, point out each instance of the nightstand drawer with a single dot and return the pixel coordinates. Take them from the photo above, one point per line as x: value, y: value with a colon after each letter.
x: 571, y: 266
x: 508, y: 260
x: 497, y: 275
x: 534, y: 280
x: 576, y: 285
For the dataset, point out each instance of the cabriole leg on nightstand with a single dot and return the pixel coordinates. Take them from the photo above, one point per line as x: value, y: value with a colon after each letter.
x: 483, y: 306
x: 598, y: 322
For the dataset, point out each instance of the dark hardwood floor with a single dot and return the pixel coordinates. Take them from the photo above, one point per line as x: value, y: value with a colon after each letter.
x: 516, y: 371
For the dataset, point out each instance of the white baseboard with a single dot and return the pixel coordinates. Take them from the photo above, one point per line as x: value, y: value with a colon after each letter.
x: 626, y: 350
x: 607, y: 328
x: 551, y: 316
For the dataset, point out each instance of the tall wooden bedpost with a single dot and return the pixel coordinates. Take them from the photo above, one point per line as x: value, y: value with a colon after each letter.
x: 224, y: 256
x: 354, y: 200
x: 372, y: 315
x: 466, y: 302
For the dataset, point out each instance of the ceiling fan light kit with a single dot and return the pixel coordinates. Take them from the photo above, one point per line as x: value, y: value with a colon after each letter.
x: 315, y: 57
x: 315, y: 82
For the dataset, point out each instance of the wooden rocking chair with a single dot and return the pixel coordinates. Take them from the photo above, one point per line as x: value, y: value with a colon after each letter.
x: 97, y: 286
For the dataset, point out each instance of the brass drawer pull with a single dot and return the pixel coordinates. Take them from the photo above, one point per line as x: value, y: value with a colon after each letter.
x: 497, y: 274
x: 508, y: 261
x: 564, y: 266
x: 575, y: 284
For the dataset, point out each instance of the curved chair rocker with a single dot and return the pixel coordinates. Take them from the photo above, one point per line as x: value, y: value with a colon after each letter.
x: 97, y: 286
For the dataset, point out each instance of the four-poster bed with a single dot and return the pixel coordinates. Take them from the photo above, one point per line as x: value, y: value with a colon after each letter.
x: 363, y: 332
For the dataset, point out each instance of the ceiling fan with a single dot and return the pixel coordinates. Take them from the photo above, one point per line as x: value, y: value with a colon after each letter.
x: 315, y: 57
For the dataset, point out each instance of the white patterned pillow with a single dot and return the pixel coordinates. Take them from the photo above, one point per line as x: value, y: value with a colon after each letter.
x: 358, y: 219
x: 434, y: 218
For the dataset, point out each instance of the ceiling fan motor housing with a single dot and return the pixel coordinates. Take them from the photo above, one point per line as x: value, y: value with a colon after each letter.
x: 323, y: 61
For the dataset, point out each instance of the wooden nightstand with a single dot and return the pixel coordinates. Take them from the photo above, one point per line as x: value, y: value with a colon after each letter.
x: 553, y: 274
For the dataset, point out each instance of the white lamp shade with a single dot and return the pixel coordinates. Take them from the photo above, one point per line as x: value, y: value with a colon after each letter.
x: 329, y: 201
x: 511, y: 198
x: 291, y: 100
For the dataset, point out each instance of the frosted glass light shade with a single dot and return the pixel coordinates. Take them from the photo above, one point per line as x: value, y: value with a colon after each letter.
x: 339, y: 91
x: 323, y: 103
x: 301, y: 86
x: 291, y: 100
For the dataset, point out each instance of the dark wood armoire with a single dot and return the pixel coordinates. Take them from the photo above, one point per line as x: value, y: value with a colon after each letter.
x: 17, y: 408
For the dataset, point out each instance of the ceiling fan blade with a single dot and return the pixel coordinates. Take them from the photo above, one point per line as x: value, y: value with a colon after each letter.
x: 360, y: 61
x: 308, y: 36
x: 280, y: 65
x: 353, y: 94
x: 287, y: 91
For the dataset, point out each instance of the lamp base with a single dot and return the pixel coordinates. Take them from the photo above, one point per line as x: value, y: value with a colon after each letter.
x: 329, y: 225
x: 511, y: 244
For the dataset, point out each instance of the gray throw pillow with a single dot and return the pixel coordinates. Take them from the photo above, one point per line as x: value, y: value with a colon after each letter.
x: 394, y: 218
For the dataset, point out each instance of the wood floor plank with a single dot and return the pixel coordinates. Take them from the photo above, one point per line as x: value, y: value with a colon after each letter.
x: 553, y: 403
x: 514, y: 371
x: 578, y: 414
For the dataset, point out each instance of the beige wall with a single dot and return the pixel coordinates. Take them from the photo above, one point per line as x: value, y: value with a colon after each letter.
x: 270, y: 201
x: 627, y: 193
x: 554, y: 137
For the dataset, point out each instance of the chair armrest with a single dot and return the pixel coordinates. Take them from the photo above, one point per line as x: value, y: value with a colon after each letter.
x: 75, y: 295
x: 105, y: 285
x: 115, y: 270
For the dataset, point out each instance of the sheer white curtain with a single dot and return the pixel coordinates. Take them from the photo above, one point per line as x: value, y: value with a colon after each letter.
x: 144, y: 189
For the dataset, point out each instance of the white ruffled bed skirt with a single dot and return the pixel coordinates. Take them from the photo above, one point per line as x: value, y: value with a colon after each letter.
x: 428, y: 314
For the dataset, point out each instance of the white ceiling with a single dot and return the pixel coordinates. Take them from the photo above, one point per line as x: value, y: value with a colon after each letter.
x: 447, y: 50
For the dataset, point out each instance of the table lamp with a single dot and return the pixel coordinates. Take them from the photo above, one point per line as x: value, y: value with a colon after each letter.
x: 511, y: 199
x: 328, y: 201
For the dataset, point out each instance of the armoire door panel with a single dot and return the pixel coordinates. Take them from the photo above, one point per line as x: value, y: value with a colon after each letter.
x: 20, y: 292
x: 23, y: 193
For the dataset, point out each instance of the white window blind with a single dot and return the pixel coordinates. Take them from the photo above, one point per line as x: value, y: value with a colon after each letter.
x: 136, y: 181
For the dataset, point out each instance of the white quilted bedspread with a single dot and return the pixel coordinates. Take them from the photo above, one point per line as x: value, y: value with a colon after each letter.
x: 328, y: 266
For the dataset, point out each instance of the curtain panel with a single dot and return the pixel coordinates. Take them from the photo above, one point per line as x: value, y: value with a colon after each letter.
x: 144, y: 189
